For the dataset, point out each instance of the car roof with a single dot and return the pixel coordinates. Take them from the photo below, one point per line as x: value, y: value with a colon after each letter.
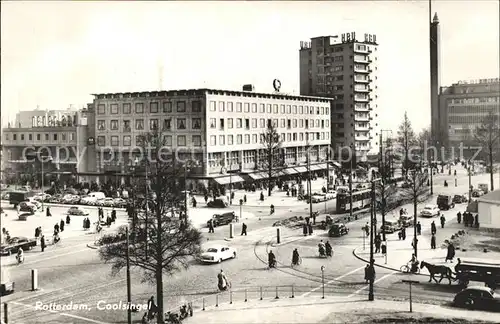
x: 481, y: 288
x: 218, y: 247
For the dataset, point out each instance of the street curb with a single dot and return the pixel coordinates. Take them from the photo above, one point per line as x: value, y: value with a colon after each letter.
x: 93, y: 247
x: 383, y: 266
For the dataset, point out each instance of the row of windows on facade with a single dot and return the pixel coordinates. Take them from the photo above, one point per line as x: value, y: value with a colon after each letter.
x: 470, y: 119
x: 339, y: 58
x: 269, y: 108
x: 473, y: 100
x: 197, y: 122
x: 153, y: 107
x: 196, y: 139
x: 55, y: 137
x: 474, y: 110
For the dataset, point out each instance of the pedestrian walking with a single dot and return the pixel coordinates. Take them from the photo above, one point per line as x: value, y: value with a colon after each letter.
x: 56, y: 228
x: 42, y: 242
x: 61, y: 225
x: 378, y: 242
x: 244, y: 229
x: 404, y: 233
x: 459, y: 217
x: 433, y: 242
x: 367, y: 273
x: 245, y: 199
x: 68, y: 220
x: 310, y: 228
x: 443, y: 220
x: 419, y: 228
x: 450, y: 254
x: 304, y: 229
x: 211, y: 226
x: 476, y: 221
x: 47, y: 212
x: 108, y: 221
x: 206, y: 198
x: 194, y: 202
x: 433, y: 228
x: 314, y: 218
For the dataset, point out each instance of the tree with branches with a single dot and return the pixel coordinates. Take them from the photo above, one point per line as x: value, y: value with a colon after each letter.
x: 271, y: 146
x: 165, y: 241
x: 406, y: 139
x: 487, y: 135
x: 417, y: 193
x: 423, y: 140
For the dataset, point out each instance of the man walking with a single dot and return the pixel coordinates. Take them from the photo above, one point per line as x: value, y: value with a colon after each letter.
x: 433, y: 228
x: 244, y: 229
x: 433, y: 242
x: 42, y: 242
x: 443, y: 220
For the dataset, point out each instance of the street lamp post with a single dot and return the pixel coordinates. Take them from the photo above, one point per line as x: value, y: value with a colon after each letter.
x: 414, y: 184
x: 129, y: 293
x: 350, y: 190
x: 372, y: 265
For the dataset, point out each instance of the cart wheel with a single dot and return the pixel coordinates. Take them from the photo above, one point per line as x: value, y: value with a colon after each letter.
x: 405, y: 269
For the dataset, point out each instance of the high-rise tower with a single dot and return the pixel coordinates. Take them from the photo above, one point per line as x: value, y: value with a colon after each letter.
x: 437, y: 122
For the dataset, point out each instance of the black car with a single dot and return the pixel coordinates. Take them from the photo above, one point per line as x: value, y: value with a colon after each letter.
x: 482, y: 298
x: 16, y: 243
x: 459, y: 199
x: 218, y: 203
x: 337, y: 230
x: 222, y: 219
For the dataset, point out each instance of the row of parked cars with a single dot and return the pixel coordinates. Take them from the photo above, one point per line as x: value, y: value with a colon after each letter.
x: 92, y: 199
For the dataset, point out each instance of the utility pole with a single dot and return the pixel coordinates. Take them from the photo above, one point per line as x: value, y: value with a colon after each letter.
x: 415, y: 193
x: 470, y: 181
x: 129, y: 293
x: 350, y: 190
x: 382, y: 171
x: 372, y: 265
x: 430, y: 168
x: 309, y: 191
x: 327, y: 170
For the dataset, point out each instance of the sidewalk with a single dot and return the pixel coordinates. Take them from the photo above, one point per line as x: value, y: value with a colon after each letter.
x: 330, y: 310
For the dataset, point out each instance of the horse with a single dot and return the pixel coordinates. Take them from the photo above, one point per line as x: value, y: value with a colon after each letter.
x: 437, y: 269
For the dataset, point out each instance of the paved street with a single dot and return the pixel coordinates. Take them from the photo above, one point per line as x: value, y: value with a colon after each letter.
x: 72, y: 272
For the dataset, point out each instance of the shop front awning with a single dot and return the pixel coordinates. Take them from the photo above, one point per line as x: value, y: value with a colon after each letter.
x: 229, y: 179
x: 301, y: 169
x: 318, y: 167
x: 289, y: 171
x: 257, y: 175
x: 336, y: 164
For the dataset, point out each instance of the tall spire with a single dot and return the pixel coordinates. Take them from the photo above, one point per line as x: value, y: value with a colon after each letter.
x: 435, y: 20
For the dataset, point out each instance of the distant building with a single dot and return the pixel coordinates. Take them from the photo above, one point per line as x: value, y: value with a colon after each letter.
x: 489, y: 210
x: 220, y: 129
x: 42, y: 117
x: 463, y: 107
x: 344, y: 68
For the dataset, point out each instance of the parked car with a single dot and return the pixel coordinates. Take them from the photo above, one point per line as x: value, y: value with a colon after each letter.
x: 106, y: 202
x: 406, y: 220
x: 26, y: 206
x: 477, y: 193
x: 5, y: 196
x: 318, y: 198
x: 16, y: 243
x: 429, y: 211
x: 331, y: 194
x: 77, y: 211
x: 217, y: 254
x: 338, y: 229
x: 445, y: 202
x: 222, y: 219
x: 459, y: 199
x: 220, y: 202
x: 41, y: 197
x: 35, y: 202
x: 119, y: 202
x: 482, y: 298
x: 390, y: 226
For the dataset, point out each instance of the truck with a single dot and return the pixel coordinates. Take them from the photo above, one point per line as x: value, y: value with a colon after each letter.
x: 16, y: 197
x: 445, y: 202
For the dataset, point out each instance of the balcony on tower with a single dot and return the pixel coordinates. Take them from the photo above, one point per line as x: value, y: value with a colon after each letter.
x: 361, y: 59
x: 361, y: 127
x: 361, y: 117
x: 361, y: 88
x: 360, y: 68
x: 362, y: 107
x: 361, y: 78
x: 362, y: 137
x: 361, y: 98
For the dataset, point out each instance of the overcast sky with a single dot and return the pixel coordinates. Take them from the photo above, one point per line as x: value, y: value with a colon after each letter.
x: 57, y: 53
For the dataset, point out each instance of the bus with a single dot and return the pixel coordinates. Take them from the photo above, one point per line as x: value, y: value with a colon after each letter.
x: 360, y: 200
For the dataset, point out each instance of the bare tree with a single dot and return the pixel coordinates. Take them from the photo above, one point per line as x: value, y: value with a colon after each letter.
x: 167, y: 242
x: 406, y: 139
x: 418, y: 193
x: 423, y: 140
x: 487, y: 135
x: 271, y: 145
x: 386, y: 191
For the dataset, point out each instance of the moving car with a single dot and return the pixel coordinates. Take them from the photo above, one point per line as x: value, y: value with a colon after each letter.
x: 222, y: 219
x: 445, y: 202
x: 217, y: 254
x: 429, y: 211
x: 406, y: 220
x: 337, y: 230
x: 459, y: 199
x: 220, y: 202
x: 77, y: 211
x: 483, y: 298
x: 477, y: 193
x: 26, y: 206
x: 16, y: 243
x: 106, y: 202
x: 35, y: 202
x: 390, y: 226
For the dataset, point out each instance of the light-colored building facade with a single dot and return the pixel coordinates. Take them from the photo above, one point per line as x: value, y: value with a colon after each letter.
x: 464, y: 106
x: 344, y: 68
x: 219, y: 129
x: 489, y: 210
x: 43, y: 117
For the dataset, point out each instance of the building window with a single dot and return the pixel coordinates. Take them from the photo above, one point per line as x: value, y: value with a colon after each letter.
x: 230, y: 107
x: 181, y: 106
x: 322, y: 110
x: 311, y: 110
x: 254, y: 138
x: 139, y: 124
x: 139, y: 108
x: 167, y: 124
x: 275, y: 123
x: 262, y: 108
x: 213, y: 106
x: 221, y: 106
x: 46, y: 137
x: 196, y: 106
x: 38, y: 137
x: 301, y: 109
x: 294, y: 109
x: 246, y: 107
x: 247, y: 138
x: 221, y: 124
x: 289, y: 137
x: 213, y: 140
x: 22, y: 137
x: 113, y: 125
x: 153, y: 107
x: 301, y: 136
x: 238, y: 122
x: 138, y: 140
x: 114, y: 109
x: 167, y: 107
x: 101, y: 109
x: 30, y: 137
x: 101, y: 125
x: 247, y: 123
x: 327, y: 111
x: 213, y: 123
x: 114, y: 141
x: 275, y: 109
x: 327, y: 123
x: 283, y: 123
x: 254, y: 107
x: 126, y: 126
x: 238, y: 107
x: 269, y: 109
x: 127, y: 140
x: 222, y: 140
x: 229, y: 139
x: 229, y: 123
x: 101, y: 140
x: 196, y: 123
x: 153, y: 124
x: 262, y: 123
x: 126, y: 108
x: 196, y: 139
x: 239, y: 139
x: 181, y: 123
x: 167, y: 139
x: 181, y: 140
x: 288, y: 109
x: 282, y: 109
x: 254, y: 122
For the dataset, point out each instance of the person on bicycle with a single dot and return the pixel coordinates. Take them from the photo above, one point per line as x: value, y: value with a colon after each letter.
x: 413, y: 263
x: 295, y: 257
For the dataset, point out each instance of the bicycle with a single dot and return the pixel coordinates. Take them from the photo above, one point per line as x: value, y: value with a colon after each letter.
x: 298, y: 263
x: 407, y: 268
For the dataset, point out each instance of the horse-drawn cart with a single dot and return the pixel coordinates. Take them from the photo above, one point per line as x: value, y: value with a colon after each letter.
x: 482, y: 270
